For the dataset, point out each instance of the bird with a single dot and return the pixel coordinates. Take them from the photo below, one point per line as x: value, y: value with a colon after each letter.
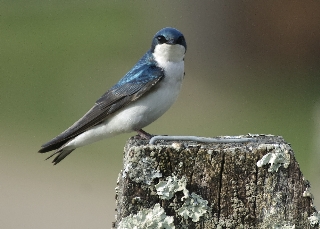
x: 144, y: 94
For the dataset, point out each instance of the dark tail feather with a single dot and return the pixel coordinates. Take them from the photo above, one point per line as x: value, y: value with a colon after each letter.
x: 49, y: 146
x: 62, y: 153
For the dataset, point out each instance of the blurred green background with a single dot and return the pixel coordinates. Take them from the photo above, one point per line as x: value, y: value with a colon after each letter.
x: 251, y: 67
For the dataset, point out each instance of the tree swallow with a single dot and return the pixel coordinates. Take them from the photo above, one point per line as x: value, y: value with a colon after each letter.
x: 145, y: 93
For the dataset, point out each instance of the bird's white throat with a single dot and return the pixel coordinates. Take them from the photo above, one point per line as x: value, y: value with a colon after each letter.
x: 172, y: 53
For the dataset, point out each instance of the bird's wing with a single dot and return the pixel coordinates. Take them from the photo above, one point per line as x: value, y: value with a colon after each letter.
x: 131, y: 87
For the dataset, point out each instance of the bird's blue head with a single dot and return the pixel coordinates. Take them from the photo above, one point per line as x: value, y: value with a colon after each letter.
x: 169, y: 44
x: 170, y: 36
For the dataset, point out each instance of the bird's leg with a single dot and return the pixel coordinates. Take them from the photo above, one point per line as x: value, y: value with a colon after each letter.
x: 144, y: 134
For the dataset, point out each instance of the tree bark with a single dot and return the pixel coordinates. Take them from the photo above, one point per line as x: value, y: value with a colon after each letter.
x: 176, y: 184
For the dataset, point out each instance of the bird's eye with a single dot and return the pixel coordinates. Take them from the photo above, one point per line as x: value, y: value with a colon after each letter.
x: 161, y: 39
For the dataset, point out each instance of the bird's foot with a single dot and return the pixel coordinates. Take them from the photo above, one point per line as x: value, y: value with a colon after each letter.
x: 144, y: 134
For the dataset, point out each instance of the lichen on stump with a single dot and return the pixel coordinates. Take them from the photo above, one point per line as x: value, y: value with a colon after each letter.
x: 176, y: 184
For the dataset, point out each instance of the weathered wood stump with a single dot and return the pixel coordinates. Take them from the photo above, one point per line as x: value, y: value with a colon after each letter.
x: 256, y: 184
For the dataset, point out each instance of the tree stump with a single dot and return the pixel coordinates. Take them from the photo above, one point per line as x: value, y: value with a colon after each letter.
x: 179, y: 184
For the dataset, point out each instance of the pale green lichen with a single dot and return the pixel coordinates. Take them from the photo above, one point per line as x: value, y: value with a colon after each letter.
x: 278, y: 156
x: 167, y: 189
x: 194, y: 207
x: 143, y: 170
x: 314, y: 219
x: 148, y: 218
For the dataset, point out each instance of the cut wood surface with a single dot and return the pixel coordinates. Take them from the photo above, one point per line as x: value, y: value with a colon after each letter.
x: 184, y: 184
